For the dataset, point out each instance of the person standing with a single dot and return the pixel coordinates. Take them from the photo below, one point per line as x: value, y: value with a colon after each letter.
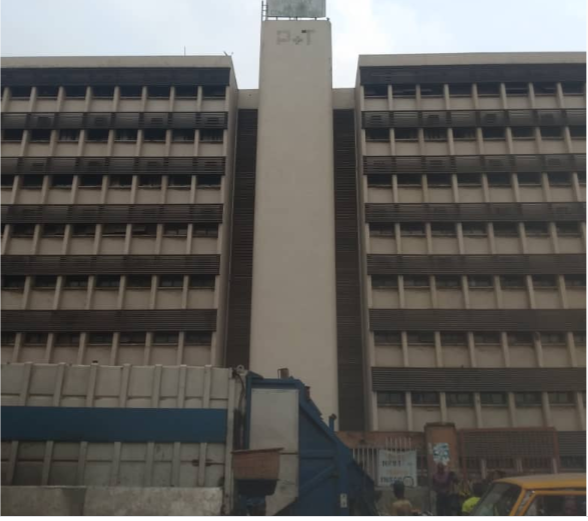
x: 442, y: 485
x: 402, y: 506
x: 469, y: 504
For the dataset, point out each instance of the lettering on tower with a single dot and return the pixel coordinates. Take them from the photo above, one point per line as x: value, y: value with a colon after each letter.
x: 301, y: 38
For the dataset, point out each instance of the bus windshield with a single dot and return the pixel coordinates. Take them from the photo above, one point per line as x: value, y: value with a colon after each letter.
x: 498, y: 501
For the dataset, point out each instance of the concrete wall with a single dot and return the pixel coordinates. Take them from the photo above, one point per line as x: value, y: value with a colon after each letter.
x: 293, y: 304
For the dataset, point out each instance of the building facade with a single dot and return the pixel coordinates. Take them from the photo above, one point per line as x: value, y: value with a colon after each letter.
x: 412, y: 248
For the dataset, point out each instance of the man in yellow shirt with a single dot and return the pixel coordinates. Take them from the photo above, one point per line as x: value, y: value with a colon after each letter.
x: 469, y: 504
x: 402, y: 506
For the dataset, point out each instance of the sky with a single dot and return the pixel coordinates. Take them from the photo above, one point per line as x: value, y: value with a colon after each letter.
x: 213, y: 27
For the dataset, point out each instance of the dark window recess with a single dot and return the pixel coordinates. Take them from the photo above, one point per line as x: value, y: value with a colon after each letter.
x: 70, y: 135
x: 409, y: 180
x: 387, y: 338
x: 120, y: 181
x: 580, y: 338
x: 489, y: 89
x: 100, y: 339
x: 13, y: 282
x: 12, y: 134
x: 97, y: 135
x: 114, y: 229
x: 7, y: 181
x: 516, y: 89
x: 431, y: 90
x: 211, y: 135
x: 559, y: 178
x: 154, y: 135
x: 47, y: 92
x: 527, y: 399
x: 545, y: 88
x: 197, y: 338
x: 557, y: 339
x: 498, y: 399
x: 126, y: 134
x: 480, y: 282
x: 460, y: 89
x: 106, y: 92
x: 209, y: 181
x: 165, y: 337
x: 8, y: 339
x: 416, y: 281
x: 443, y: 230
x: 469, y: 179
x: 453, y: 339
x: 132, y: 338
x: 395, y: 398
x: 474, y: 229
x: 439, y: 180
x: 487, y: 338
x: 76, y: 282
x: 205, y: 230
x: 131, y: 92
x: 35, y: 339
x: 520, y: 339
x: 156, y: 91
x: 180, y: 181
x: 83, y: 230
x: 425, y: 398
x: 582, y: 178
x: 20, y: 92
x: 67, y: 339
x: 464, y: 134
x: 512, y: 282
x: 53, y: 230
x: 171, y: 281
x: 404, y: 91
x: 529, y: 179
x: 412, y: 229
x: 522, y: 132
x: 536, y: 229
x: 91, y: 181
x: 381, y: 230
x: 406, y: 134
x: 573, y: 87
x: 575, y: 281
x: 108, y: 281
x: 150, y: 181
x: 213, y: 91
x: 447, y: 282
x: 384, y: 281
x: 139, y: 282
x: 375, y: 91
x: 23, y: 230
x: 561, y: 398
x: 578, y: 132
x: 45, y: 282
x: 40, y: 136
x: 435, y: 134
x: 506, y: 230
x: 183, y: 135
x: 62, y: 181
x: 377, y: 135
x: 459, y: 399
x: 202, y: 281
x: 493, y: 133
x: 186, y: 92
x: 144, y: 230
x: 551, y: 132
x: 175, y: 230
x: 379, y: 181
x: 75, y: 91
x: 571, y: 229
x: 499, y: 179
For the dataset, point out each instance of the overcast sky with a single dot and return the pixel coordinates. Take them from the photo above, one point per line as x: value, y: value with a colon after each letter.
x: 164, y: 27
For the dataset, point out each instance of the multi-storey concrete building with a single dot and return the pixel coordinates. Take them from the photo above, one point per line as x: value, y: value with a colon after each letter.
x: 412, y: 248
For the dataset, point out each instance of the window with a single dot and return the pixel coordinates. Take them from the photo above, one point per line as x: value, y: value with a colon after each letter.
x: 100, y: 339
x: 486, y: 338
x: 62, y: 181
x: 114, y: 230
x: 580, y: 338
x: 165, y: 338
x: 155, y: 91
x: 474, y: 229
x: 408, y: 180
x: 67, y: 339
x: 499, y: 179
x: 493, y: 133
x: 556, y: 506
x: 7, y: 181
x: 573, y: 87
x: 425, y: 398
x: 406, y: 134
x: 561, y: 398
x: 375, y: 91
x: 106, y: 92
x: 412, y: 229
x: 384, y: 281
x: 450, y: 338
x: 20, y: 92
x: 8, y: 339
x: 443, y: 229
x: 213, y: 92
x: 144, y: 230
x: 171, y: 281
x: 529, y: 179
x: 53, y: 230
x: 180, y: 181
x: 69, y: 135
x: 387, y: 338
x: 40, y: 136
x: 505, y: 229
x: 421, y: 338
x: 578, y: 132
x: 545, y: 88
x: 404, y: 91
x: 202, y: 281
x: 198, y: 338
x: 212, y: 181
x: 464, y: 134
x: 582, y: 178
x: 186, y: 92
x: 551, y: 132
x: 377, y: 135
x: 460, y: 89
x: 126, y: 134
x: 97, y: 135
x: 391, y: 399
x: 520, y: 339
x: 568, y: 229
x: 447, y: 282
x: 47, y: 92
x: 75, y: 91
x: 459, y: 399
x: 523, y: 133
x: 512, y: 282
x: 516, y: 89
x: 575, y: 281
x: 183, y: 135
x: 91, y: 181
x: 211, y: 135
x: 536, y: 229
x: 480, y: 282
x: 439, y: 180
x: 23, y: 230
x: 553, y: 339
x: 76, y: 282
x: 544, y: 281
x: 527, y: 399
x: 431, y: 90
x: 131, y: 92
x: 150, y: 181
x: 496, y: 399
x: 35, y: 339
x: 435, y: 134
x: 45, y: 282
x: 120, y: 181
x: 83, y: 230
x: 469, y: 180
x: 175, y: 230
x: 154, y: 135
x: 205, y: 230
x: 13, y: 282
x: 139, y: 281
x: 559, y: 179
x: 13, y: 135
x: 131, y: 338
x: 108, y: 281
x: 379, y: 181
x: 488, y: 89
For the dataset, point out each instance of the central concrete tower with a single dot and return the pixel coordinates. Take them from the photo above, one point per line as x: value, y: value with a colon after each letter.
x: 294, y: 300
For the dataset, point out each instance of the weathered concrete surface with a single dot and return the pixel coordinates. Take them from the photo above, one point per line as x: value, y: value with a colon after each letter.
x: 111, y: 501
